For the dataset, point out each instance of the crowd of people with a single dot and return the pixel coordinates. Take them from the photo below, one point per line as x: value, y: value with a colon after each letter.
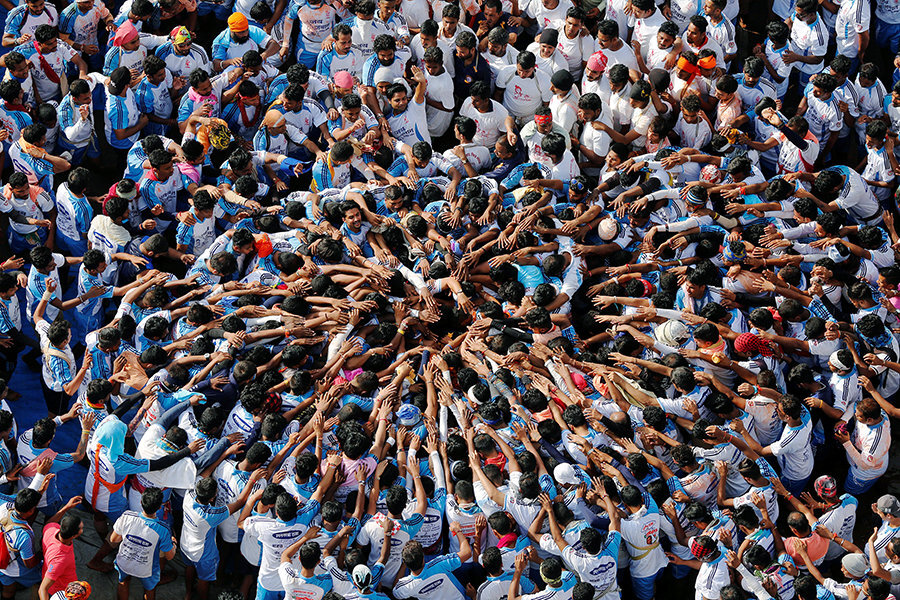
x: 417, y: 299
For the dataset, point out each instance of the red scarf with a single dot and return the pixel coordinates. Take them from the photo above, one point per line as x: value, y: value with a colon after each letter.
x: 18, y: 107
x: 248, y: 122
x: 45, y: 66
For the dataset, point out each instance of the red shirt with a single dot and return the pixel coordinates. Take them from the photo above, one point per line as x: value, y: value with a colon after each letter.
x: 59, y: 560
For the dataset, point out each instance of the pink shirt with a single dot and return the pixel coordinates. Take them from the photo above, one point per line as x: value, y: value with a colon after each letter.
x: 59, y: 560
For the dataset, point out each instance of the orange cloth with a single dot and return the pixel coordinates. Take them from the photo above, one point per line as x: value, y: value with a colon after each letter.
x: 238, y: 22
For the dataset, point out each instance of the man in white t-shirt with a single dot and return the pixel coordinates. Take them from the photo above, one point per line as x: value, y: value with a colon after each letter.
x: 641, y: 532
x: 438, y: 92
x: 523, y: 88
x: 867, y: 448
x: 142, y: 540
x: 809, y: 40
x: 372, y: 533
x: 491, y: 117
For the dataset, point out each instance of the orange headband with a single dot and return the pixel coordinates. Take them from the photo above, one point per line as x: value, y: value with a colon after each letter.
x: 707, y: 62
x: 685, y: 65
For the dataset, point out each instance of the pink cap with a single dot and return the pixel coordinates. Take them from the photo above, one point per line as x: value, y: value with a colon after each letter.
x: 597, y: 62
x: 343, y: 79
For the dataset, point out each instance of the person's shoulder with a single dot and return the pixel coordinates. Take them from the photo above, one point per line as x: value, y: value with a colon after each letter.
x: 49, y: 534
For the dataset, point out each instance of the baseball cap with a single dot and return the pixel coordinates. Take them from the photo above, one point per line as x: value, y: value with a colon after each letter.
x: 565, y: 473
x: 889, y: 504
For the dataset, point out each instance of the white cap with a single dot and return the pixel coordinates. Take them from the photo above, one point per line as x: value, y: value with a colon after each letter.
x: 672, y: 333
x: 565, y: 473
x: 608, y: 229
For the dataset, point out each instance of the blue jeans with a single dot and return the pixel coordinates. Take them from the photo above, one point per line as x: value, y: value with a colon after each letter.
x: 887, y: 35
x: 855, y: 486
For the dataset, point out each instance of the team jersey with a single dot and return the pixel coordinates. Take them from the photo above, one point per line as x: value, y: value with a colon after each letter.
x: 597, y: 569
x: 868, y: 455
x: 409, y: 126
x: 274, y: 536
x: 199, y: 529
x: 794, y: 450
x: 143, y: 540
x: 372, y: 534
x: 434, y: 582
x: 298, y: 587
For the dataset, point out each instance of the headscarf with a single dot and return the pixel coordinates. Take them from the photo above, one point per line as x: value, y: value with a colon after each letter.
x: 273, y: 118
x: 111, y: 435
x: 691, y: 196
x: 126, y: 32
x: 752, y: 344
x: 707, y: 62
x: 880, y: 341
x: 180, y: 35
x: 78, y: 590
x: 835, y: 361
x: 219, y: 135
x: 548, y: 580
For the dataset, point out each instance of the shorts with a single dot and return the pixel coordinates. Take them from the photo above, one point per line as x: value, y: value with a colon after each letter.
x: 73, y: 247
x: 21, y: 243
x: 264, y: 594
x: 27, y: 579
x: 149, y: 583
x: 57, y: 402
x: 645, y: 587
x: 794, y: 486
x: 206, y: 567
x: 854, y: 485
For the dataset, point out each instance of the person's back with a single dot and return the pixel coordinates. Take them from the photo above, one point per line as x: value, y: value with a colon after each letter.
x: 143, y: 538
x: 198, y: 530
x: 275, y: 535
x: 435, y: 581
